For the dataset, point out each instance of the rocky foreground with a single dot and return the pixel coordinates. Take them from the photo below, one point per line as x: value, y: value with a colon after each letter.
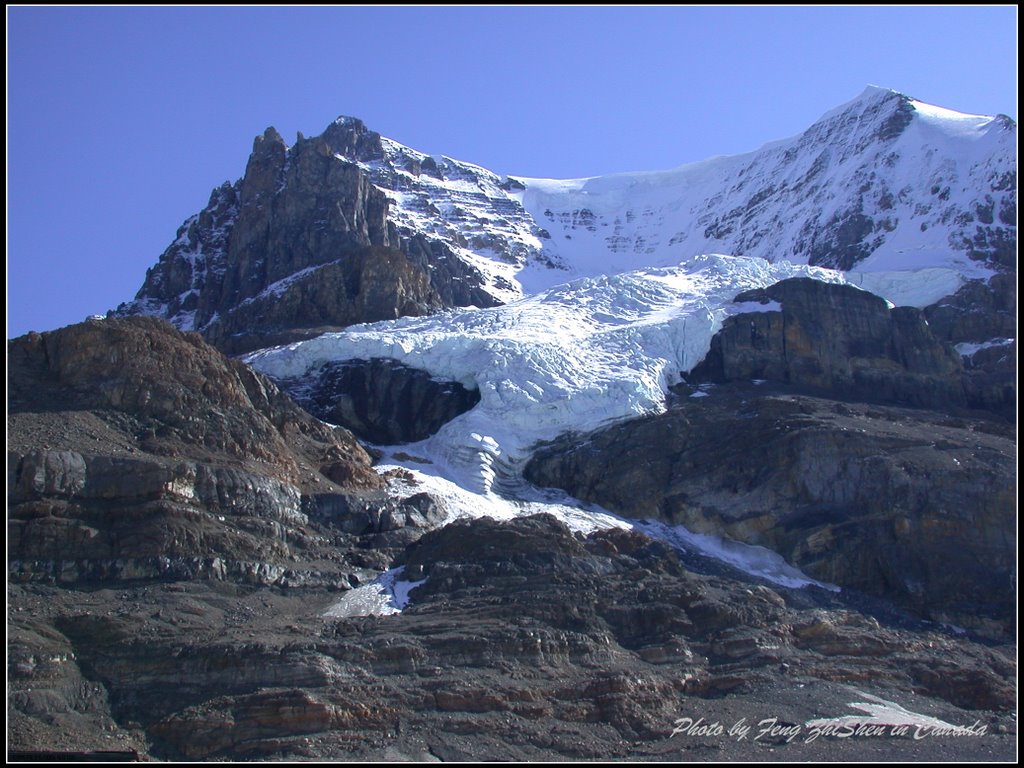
x: 179, y: 532
x: 525, y: 642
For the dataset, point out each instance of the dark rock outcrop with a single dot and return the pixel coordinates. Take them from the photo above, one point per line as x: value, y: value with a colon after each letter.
x: 384, y: 401
x: 909, y: 505
x: 367, y: 285
x: 301, y: 244
x: 978, y: 311
x: 981, y: 313
x: 839, y: 340
x: 387, y: 522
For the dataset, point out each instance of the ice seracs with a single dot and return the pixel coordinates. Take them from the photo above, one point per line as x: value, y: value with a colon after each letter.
x: 571, y: 358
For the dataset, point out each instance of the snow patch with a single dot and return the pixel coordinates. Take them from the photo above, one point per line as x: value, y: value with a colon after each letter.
x: 386, y: 595
x: 748, y: 558
x: 883, y: 713
x: 970, y: 349
x: 745, y: 307
x: 460, y: 503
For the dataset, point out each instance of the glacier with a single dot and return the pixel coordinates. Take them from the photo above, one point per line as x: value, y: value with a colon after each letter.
x: 571, y: 358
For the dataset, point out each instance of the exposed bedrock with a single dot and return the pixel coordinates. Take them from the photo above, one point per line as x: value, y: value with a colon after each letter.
x: 915, y: 505
x: 383, y: 401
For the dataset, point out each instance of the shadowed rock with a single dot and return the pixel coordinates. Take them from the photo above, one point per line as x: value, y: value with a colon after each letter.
x: 911, y: 505
x: 839, y: 340
x: 384, y: 401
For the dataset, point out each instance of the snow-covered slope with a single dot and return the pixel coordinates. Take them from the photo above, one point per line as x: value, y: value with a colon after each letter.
x: 470, y: 209
x: 883, y: 182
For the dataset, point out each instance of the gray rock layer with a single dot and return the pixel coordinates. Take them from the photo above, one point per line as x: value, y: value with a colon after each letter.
x: 525, y: 642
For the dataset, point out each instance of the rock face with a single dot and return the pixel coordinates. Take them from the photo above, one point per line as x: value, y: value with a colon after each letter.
x: 302, y: 242
x: 490, y: 661
x: 840, y: 341
x: 175, y: 391
x: 384, y: 401
x: 980, y: 319
x: 915, y: 505
x: 367, y: 285
x: 836, y: 339
x: 911, y: 505
x: 139, y: 452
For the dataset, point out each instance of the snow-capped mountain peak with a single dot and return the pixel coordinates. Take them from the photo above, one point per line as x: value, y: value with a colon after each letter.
x: 883, y: 182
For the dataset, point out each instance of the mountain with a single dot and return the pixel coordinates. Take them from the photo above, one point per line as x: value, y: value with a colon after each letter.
x: 511, y: 468
x: 301, y: 242
x: 575, y: 362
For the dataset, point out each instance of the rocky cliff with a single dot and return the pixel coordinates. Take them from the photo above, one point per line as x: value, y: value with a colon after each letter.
x: 771, y: 442
x: 914, y: 506
x: 835, y: 339
x: 139, y: 452
x: 302, y: 243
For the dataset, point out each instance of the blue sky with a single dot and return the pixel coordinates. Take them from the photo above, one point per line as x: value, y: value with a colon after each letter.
x: 121, y: 121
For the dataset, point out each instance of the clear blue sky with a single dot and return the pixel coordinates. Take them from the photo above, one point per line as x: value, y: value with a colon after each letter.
x: 121, y: 121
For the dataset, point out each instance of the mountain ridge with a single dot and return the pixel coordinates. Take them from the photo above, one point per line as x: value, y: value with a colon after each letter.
x: 480, y: 238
